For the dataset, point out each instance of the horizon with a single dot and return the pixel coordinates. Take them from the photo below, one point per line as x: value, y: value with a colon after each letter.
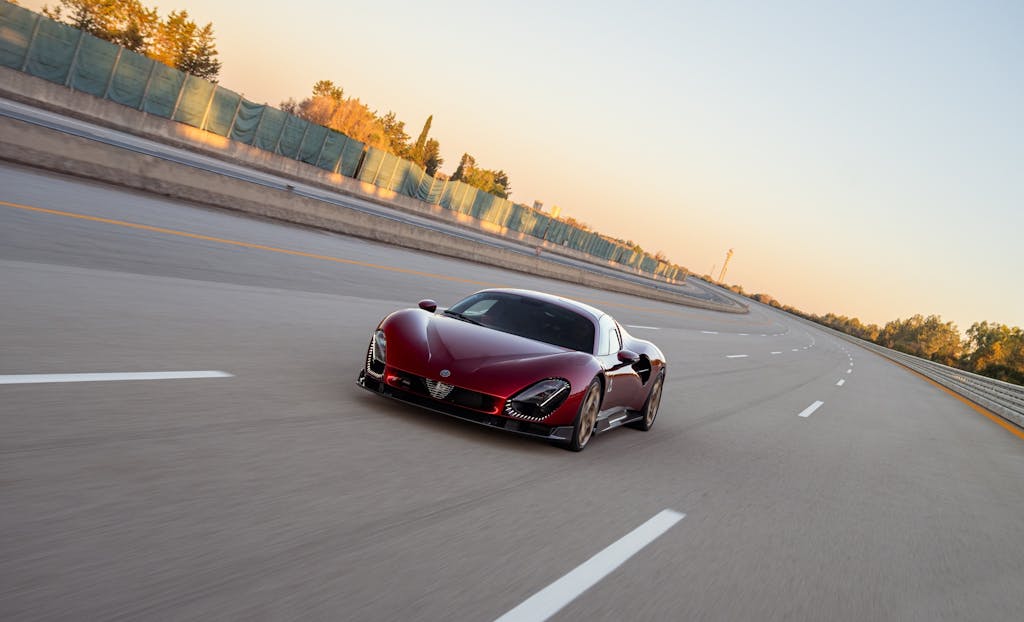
x: 742, y: 122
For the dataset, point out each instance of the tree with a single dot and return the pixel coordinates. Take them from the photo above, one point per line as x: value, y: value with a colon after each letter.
x: 432, y: 159
x: 290, y: 106
x: 929, y: 338
x: 418, y: 152
x: 92, y: 16
x: 466, y: 164
x: 501, y: 186
x: 495, y: 182
x: 200, y: 59
x: 329, y: 107
x: 174, y: 38
x: 997, y: 351
x: 352, y: 118
x: 124, y: 22
x: 132, y: 25
x: 182, y: 44
x: 394, y: 131
x: 176, y: 41
x: 318, y: 109
x: 327, y: 88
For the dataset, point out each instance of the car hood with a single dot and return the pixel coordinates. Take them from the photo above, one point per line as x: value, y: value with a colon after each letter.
x: 476, y: 358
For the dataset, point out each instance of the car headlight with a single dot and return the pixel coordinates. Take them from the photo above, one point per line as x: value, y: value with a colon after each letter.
x: 380, y: 347
x: 539, y: 400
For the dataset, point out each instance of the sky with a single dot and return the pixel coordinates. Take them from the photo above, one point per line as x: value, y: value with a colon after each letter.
x: 862, y: 158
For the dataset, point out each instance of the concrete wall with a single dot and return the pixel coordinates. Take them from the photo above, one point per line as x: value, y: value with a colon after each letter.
x: 37, y: 92
x: 63, y: 153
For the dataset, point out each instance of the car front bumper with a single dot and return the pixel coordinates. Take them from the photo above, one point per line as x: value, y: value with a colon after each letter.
x: 524, y: 428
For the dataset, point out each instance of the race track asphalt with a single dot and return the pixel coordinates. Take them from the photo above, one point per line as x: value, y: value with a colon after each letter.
x: 285, y: 492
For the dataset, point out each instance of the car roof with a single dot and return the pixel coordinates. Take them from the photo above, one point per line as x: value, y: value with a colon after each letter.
x: 566, y: 303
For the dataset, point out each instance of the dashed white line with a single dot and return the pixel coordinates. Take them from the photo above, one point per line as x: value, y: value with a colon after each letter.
x: 776, y: 352
x: 709, y: 332
x: 796, y: 349
x: 810, y: 409
x: 744, y: 334
x: 107, y: 377
x: 849, y: 371
x: 644, y: 327
x: 841, y: 382
x: 736, y: 356
x: 551, y: 599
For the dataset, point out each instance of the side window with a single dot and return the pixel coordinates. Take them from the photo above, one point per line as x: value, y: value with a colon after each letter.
x: 610, y: 342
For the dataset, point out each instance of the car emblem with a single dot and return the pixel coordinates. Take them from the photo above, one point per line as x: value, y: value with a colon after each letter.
x: 438, y: 390
x: 445, y: 373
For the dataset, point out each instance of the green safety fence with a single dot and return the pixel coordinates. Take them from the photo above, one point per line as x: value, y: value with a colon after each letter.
x: 37, y: 45
x: 195, y: 101
x: 56, y: 52
x: 491, y: 208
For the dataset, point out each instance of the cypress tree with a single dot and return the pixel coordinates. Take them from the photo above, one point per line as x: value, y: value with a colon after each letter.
x: 419, y: 150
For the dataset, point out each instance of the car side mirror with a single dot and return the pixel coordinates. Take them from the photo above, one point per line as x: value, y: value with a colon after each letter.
x: 428, y: 305
x: 628, y: 357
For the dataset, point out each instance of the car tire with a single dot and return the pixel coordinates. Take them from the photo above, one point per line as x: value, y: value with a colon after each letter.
x: 586, y: 419
x: 650, y: 409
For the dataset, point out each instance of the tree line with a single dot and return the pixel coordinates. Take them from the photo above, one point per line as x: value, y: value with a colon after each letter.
x: 176, y: 40
x: 989, y: 349
x: 329, y: 106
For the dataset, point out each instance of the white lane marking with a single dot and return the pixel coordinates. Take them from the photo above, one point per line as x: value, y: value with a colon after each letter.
x: 645, y: 327
x: 709, y: 332
x: 551, y: 599
x: 796, y: 349
x: 849, y: 371
x: 107, y: 377
x: 736, y: 356
x: 744, y: 334
x: 776, y: 352
x: 810, y: 409
x: 841, y: 382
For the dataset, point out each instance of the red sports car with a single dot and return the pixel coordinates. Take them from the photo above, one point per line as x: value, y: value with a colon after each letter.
x: 519, y: 360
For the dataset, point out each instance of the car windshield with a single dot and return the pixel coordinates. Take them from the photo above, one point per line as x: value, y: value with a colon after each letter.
x: 527, y: 317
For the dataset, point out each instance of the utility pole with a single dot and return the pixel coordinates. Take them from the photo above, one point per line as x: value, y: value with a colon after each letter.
x: 725, y: 266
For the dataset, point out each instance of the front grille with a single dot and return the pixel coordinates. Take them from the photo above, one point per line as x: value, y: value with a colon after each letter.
x: 446, y: 393
x: 438, y: 390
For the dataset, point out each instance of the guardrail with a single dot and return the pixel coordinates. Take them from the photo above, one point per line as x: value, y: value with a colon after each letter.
x: 1002, y: 398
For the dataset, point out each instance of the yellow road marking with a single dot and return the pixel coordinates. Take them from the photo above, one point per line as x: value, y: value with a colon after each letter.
x: 286, y: 251
x: 262, y: 247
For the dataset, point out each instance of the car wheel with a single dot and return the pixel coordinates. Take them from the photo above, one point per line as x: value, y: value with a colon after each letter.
x: 651, y: 405
x: 586, y: 418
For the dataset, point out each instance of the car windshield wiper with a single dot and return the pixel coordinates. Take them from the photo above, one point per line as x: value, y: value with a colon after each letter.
x: 456, y: 314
